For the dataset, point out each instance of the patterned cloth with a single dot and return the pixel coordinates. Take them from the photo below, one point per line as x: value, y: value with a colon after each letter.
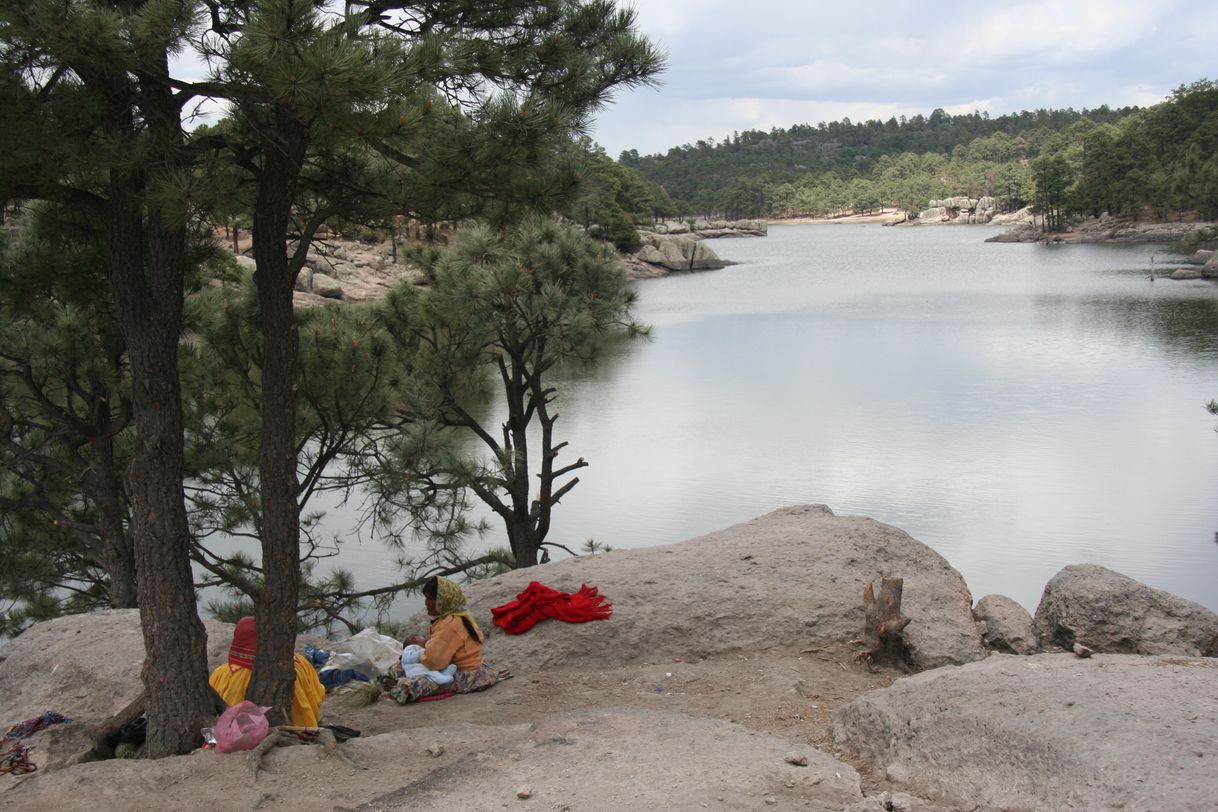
x: 245, y: 644
x: 406, y: 689
x: 15, y: 758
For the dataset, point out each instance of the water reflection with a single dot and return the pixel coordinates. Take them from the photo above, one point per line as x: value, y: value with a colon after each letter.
x: 1017, y: 407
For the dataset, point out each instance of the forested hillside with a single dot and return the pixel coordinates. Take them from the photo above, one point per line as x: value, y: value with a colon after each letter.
x: 1163, y: 159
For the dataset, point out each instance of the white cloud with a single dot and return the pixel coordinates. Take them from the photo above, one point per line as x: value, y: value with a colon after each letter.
x: 776, y: 63
x: 1063, y: 32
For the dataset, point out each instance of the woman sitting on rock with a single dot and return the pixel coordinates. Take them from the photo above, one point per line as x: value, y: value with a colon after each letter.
x: 455, y: 639
x: 231, y: 679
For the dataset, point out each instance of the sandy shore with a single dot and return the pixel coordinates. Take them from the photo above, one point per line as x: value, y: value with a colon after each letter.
x: 892, y: 216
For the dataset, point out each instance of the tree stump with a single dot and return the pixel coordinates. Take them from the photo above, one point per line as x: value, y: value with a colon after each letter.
x: 883, y: 625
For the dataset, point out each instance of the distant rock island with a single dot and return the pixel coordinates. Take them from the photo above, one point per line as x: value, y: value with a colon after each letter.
x: 675, y: 246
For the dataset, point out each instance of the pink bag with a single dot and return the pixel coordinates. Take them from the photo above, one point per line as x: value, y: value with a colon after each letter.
x: 241, y: 727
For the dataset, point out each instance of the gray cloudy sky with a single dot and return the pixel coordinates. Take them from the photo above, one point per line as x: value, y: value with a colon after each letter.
x: 773, y: 63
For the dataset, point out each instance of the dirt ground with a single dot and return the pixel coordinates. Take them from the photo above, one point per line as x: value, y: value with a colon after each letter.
x: 789, y: 694
x: 748, y: 708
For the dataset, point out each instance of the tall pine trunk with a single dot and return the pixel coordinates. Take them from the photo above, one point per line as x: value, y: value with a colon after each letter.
x: 274, y: 677
x: 146, y: 248
x: 149, y: 300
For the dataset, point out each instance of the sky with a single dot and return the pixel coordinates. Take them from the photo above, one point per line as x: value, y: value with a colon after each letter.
x: 736, y: 66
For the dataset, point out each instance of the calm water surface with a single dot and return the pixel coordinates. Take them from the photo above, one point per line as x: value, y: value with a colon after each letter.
x: 1016, y: 407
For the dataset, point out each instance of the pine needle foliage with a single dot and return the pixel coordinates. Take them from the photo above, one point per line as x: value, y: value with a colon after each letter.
x: 513, y: 304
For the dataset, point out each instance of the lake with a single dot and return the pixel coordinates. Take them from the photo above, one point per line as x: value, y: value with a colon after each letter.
x: 1016, y: 407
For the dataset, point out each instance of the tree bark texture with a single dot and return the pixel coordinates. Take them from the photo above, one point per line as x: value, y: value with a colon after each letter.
x: 273, y: 681
x: 147, y: 262
x: 149, y: 302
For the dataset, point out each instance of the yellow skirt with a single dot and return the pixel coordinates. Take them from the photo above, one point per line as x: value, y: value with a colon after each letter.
x: 231, y: 682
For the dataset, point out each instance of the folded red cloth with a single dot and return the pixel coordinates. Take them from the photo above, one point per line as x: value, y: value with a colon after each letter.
x: 538, y: 602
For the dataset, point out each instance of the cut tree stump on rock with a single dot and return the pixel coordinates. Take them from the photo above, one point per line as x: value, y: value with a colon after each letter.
x: 883, y: 625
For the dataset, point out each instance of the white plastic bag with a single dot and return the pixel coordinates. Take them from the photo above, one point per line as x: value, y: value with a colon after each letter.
x: 381, y: 650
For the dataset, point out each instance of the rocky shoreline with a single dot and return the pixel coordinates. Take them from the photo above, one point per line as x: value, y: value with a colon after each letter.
x: 1110, y: 230
x: 354, y: 271
x: 727, y: 678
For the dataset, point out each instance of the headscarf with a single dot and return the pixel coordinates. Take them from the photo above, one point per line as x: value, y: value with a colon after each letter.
x: 245, y: 644
x: 450, y: 600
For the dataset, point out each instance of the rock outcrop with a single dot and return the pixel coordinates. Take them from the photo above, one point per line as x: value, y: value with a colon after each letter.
x: 1008, y: 626
x: 1185, y: 273
x: 344, y: 270
x: 678, y: 253
x: 1110, y: 612
x: 704, y: 228
x: 793, y: 577
x: 963, y: 210
x: 1049, y: 731
x: 634, y: 760
x: 675, y: 245
x: 1106, y: 229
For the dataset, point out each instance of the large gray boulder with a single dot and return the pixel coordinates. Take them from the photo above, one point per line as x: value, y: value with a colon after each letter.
x: 678, y: 253
x: 1049, y: 731
x: 933, y: 214
x: 1110, y: 612
x: 327, y: 286
x: 1008, y: 626
x: 793, y: 578
x: 757, y: 228
x: 1210, y: 269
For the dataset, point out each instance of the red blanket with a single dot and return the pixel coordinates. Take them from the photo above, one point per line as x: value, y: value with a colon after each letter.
x: 538, y: 602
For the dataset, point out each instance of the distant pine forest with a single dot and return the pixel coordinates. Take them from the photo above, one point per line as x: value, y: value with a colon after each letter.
x: 1155, y: 162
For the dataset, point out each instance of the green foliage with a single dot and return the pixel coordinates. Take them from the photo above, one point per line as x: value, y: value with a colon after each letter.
x: 513, y: 304
x: 64, y: 425
x: 1163, y: 159
x: 1051, y: 174
x: 804, y: 155
x: 349, y: 375
x: 432, y: 111
x: 610, y: 198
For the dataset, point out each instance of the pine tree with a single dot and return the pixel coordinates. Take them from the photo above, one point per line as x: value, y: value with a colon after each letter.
x: 445, y: 109
x: 439, y: 110
x: 93, y: 122
x: 514, y: 304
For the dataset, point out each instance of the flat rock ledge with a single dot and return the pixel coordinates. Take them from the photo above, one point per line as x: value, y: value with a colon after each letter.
x: 1050, y: 731
x: 646, y: 759
x: 1106, y: 229
x: 704, y: 228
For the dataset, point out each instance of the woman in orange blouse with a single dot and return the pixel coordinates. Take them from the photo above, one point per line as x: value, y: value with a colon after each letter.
x: 454, y: 638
